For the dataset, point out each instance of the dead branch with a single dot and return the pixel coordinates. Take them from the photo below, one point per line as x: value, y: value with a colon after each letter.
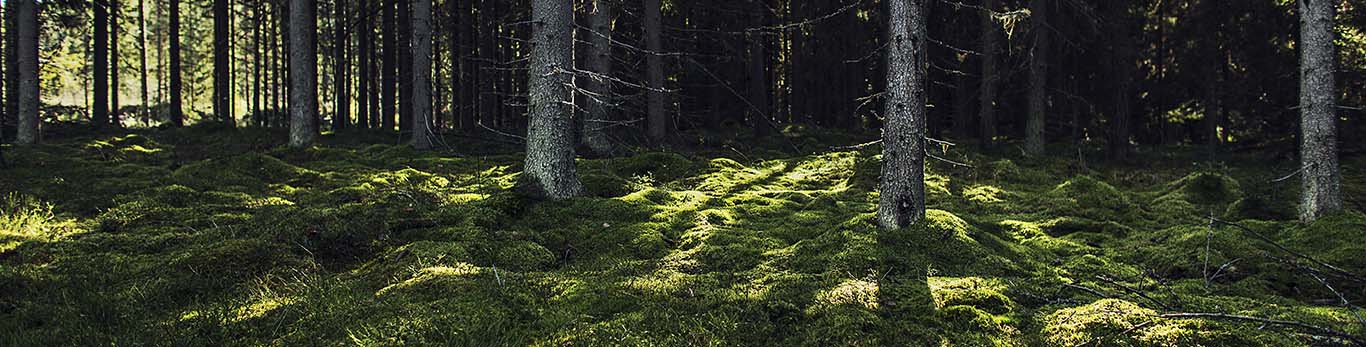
x: 1356, y: 341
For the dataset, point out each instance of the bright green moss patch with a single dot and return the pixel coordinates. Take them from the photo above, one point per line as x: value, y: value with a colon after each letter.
x: 214, y: 236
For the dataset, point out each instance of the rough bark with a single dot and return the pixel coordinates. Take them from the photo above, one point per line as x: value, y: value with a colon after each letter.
x: 303, y: 74
x: 11, y: 62
x: 146, y: 112
x: 177, y: 114
x: 222, y: 92
x: 114, y: 117
x: 550, y: 168
x: 901, y: 200
x: 1038, y: 79
x: 27, y: 55
x: 1121, y: 69
x: 341, y: 116
x: 597, y: 111
x: 388, y: 66
x: 363, y: 80
x: 1321, y: 181
x: 986, y: 108
x: 405, y: 66
x: 654, y: 67
x: 489, y: 102
x: 757, y: 67
x: 99, y: 113
x: 422, y: 75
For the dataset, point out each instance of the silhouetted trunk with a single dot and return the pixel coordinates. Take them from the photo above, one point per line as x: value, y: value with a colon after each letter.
x: 962, y: 101
x: 363, y: 81
x: 1121, y: 67
x: 99, y: 112
x: 1214, y: 65
x: 222, y: 86
x: 654, y: 67
x: 597, y: 111
x: 1321, y: 193
x: 389, y: 67
x: 902, y: 198
x: 27, y: 55
x: 1038, y: 79
x: 176, y: 113
x: 422, y: 74
x: 11, y: 109
x: 550, y: 168
x: 341, y: 116
x: 146, y: 112
x: 986, y: 107
x: 405, y: 66
x: 489, y: 100
x: 757, y: 67
x: 114, y: 116
x: 303, y: 74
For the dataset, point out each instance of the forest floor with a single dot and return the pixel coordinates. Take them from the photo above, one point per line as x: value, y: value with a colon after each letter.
x: 200, y: 236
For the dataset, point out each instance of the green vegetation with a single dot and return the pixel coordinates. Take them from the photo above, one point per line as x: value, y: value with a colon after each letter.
x: 154, y: 239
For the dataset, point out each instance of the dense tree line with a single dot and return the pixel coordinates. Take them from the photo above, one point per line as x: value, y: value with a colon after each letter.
x: 561, y: 75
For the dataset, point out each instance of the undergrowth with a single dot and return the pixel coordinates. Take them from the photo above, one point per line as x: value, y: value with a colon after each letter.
x: 216, y: 237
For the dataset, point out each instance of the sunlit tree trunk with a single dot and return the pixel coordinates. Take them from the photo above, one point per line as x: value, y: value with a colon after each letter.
x: 27, y: 55
x: 1322, y: 182
x: 303, y: 74
x: 422, y: 74
x: 114, y: 116
x: 550, y: 168
x: 902, y: 189
x: 222, y: 85
x: 656, y: 120
x: 99, y: 113
x: 1038, y: 79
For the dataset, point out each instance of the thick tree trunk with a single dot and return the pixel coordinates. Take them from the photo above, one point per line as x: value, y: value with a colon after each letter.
x: 986, y: 107
x: 1038, y: 79
x: 388, y: 66
x: 597, y: 112
x: 550, y: 168
x: 177, y: 113
x: 902, y: 198
x: 1321, y: 193
x: 363, y: 80
x: 11, y: 62
x: 421, y: 125
x: 222, y: 86
x: 27, y: 54
x: 303, y: 74
x: 405, y: 66
x: 99, y: 113
x: 114, y: 117
x: 341, y: 115
x: 657, y: 121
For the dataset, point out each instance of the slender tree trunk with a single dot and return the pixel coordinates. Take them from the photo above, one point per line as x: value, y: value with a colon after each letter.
x: 986, y: 107
x: 177, y: 113
x: 469, y: 93
x: 759, y: 95
x: 597, y: 112
x: 490, y: 103
x: 1321, y: 193
x: 1038, y: 79
x: 12, y: 61
x: 902, y: 199
x: 363, y: 81
x: 114, y: 9
x: 421, y: 124
x: 550, y: 168
x: 654, y: 66
x: 405, y: 66
x: 303, y: 75
x: 1123, y: 76
x: 389, y: 67
x: 27, y: 54
x: 962, y: 101
x: 99, y: 113
x: 222, y: 91
x: 455, y: 29
x: 146, y: 113
x: 1213, y: 106
x: 341, y: 116
x: 258, y: 52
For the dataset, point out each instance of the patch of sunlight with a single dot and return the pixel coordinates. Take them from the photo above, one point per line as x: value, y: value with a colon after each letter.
x: 189, y: 315
x: 984, y: 194
x: 259, y: 308
x: 464, y: 198
x: 1022, y: 230
x: 25, y: 219
x: 662, y: 282
x: 982, y: 293
x: 270, y: 201
x: 430, y: 273
x: 853, y: 292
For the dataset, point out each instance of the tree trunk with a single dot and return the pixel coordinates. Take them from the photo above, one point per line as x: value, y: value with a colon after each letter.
x: 341, y: 114
x: 1213, y: 106
x: 114, y: 118
x: 550, y: 168
x: 962, y: 101
x: 99, y: 112
x: 388, y: 67
x: 1321, y: 193
x: 363, y: 80
x: 489, y: 100
x: 303, y: 74
x: 177, y: 114
x: 421, y: 124
x: 146, y: 112
x: 654, y: 80
x: 1122, y: 66
x: 600, y: 98
x: 759, y: 94
x: 405, y: 66
x: 902, y: 199
x: 986, y: 108
x: 1038, y: 79
x: 222, y: 86
x: 11, y: 62
x: 27, y: 54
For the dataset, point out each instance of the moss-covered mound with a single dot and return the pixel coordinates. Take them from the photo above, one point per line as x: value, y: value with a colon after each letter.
x: 204, y: 236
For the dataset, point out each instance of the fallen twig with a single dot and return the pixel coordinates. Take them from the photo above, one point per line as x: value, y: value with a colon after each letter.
x: 1356, y: 341
x: 1125, y: 332
x: 1133, y: 291
x: 1338, y: 270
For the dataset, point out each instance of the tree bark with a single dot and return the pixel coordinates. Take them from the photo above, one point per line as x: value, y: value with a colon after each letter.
x: 146, y: 112
x: 99, y: 112
x: 303, y: 74
x: 901, y: 201
x: 1321, y: 193
x: 489, y: 100
x: 654, y: 80
x: 177, y: 114
x: 405, y: 66
x: 388, y: 67
x: 597, y: 112
x: 986, y: 108
x: 114, y: 115
x: 11, y: 62
x: 341, y: 115
x: 421, y: 124
x: 550, y: 168
x: 1038, y: 79
x: 1214, y: 65
x: 1122, y: 66
x: 222, y: 86
x: 27, y: 54
x: 363, y: 80
x: 757, y: 67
